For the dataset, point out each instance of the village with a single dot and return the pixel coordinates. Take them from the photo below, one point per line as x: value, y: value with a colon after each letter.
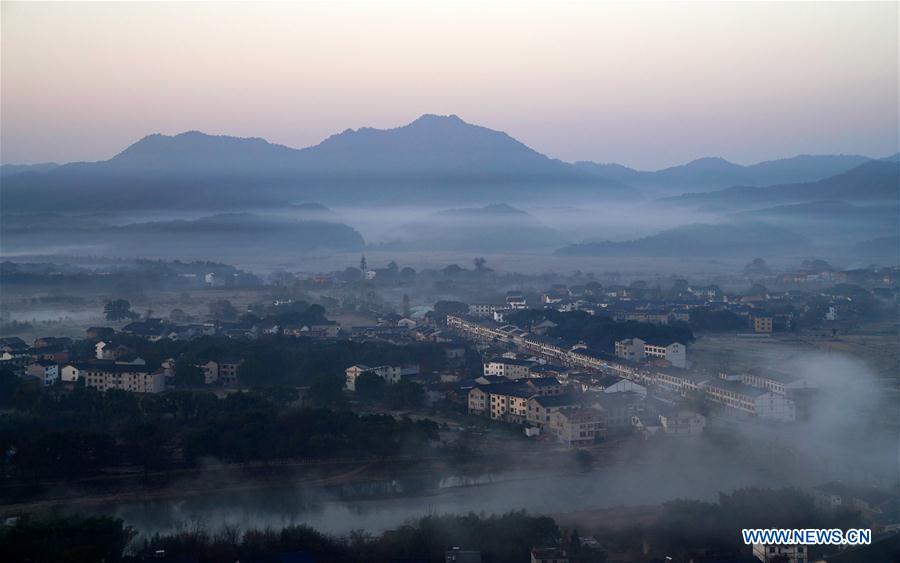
x: 585, y: 368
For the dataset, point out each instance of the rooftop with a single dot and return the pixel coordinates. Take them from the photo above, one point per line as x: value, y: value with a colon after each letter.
x: 557, y: 400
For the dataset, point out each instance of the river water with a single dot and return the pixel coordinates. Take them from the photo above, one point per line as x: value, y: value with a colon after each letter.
x: 381, y: 505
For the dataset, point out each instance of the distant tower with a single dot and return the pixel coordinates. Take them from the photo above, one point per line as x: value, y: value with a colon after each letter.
x: 362, y: 264
x: 406, y: 308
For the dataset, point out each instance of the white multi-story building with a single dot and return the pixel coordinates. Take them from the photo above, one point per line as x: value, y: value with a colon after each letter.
x: 484, y: 309
x: 391, y: 374
x: 631, y: 349
x: 777, y: 382
x: 132, y: 378
x: 516, y: 301
x: 673, y: 352
x: 224, y: 371
x: 508, y: 368
x: 634, y: 349
x: 72, y: 372
x: 682, y: 423
x: 578, y: 426
x: 44, y: 370
x: 751, y: 400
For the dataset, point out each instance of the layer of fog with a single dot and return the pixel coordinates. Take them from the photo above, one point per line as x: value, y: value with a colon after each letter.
x: 382, y: 224
x: 851, y: 435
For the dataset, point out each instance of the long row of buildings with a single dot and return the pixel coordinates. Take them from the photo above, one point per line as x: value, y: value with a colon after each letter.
x: 760, y: 393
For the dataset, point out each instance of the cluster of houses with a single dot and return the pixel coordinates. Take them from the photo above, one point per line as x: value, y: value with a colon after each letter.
x: 515, y: 301
x: 574, y: 408
x: 542, y: 404
x: 154, y: 329
x: 50, y: 360
x: 112, y: 366
x: 769, y: 395
x: 763, y: 311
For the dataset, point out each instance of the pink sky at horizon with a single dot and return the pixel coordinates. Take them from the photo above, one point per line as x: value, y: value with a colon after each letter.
x: 646, y: 85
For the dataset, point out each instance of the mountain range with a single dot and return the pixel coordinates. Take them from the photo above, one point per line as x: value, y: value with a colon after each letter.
x: 713, y: 173
x: 701, y: 240
x: 871, y: 182
x: 432, y: 160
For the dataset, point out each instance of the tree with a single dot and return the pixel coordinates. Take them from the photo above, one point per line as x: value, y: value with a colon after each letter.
x: 703, y: 318
x: 756, y: 267
x: 351, y: 274
x: 179, y: 316
x: 406, y: 309
x: 327, y: 390
x: 254, y: 371
x: 816, y: 265
x: 187, y: 374
x: 363, y: 266
x: 222, y: 309
x: 757, y: 289
x: 75, y: 539
x: 405, y: 395
x: 370, y: 386
x: 280, y: 395
x: 679, y: 287
x: 118, y: 309
x: 407, y: 275
x: 444, y: 308
x: 9, y: 383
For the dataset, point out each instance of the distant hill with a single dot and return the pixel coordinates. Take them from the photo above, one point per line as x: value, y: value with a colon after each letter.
x: 11, y: 169
x: 701, y: 240
x: 828, y: 210
x: 434, y: 158
x: 215, y: 236
x: 872, y: 181
x: 884, y: 250
x: 310, y: 212
x: 493, y: 228
x: 713, y: 173
x: 832, y: 222
x: 195, y: 152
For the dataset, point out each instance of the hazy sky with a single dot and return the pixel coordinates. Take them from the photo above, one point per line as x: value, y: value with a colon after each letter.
x: 648, y: 85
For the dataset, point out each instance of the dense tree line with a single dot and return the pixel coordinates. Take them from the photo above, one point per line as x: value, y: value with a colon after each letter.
x: 59, y: 434
x: 371, y: 387
x: 501, y: 539
x: 598, y: 331
x: 285, y: 360
x: 73, y: 539
x: 683, y: 530
x: 706, y: 319
x: 686, y: 529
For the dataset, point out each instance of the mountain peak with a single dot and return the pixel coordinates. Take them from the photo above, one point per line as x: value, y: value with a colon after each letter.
x: 195, y: 149
x: 434, y: 119
x: 712, y: 162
